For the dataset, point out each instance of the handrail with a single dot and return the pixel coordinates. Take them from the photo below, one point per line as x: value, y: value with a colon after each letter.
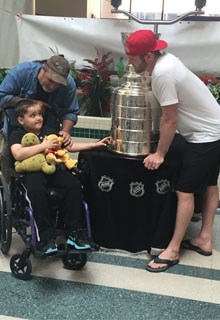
x: 157, y: 22
x: 190, y: 13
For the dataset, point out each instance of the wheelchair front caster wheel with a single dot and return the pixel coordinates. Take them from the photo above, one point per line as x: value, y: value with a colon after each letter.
x: 20, y: 267
x: 74, y: 261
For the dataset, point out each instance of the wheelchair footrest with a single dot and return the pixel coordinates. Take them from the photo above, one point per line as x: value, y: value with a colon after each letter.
x: 64, y: 249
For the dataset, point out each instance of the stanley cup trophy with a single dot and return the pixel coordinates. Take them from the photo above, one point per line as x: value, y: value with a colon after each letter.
x: 135, y: 114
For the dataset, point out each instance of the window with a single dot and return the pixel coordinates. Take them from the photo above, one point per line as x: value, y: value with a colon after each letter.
x: 147, y: 10
x: 158, y: 9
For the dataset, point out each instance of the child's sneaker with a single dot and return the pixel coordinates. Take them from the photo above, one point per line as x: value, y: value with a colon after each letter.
x: 78, y: 240
x: 50, y: 247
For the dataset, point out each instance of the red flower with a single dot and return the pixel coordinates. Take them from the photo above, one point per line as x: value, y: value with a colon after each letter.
x: 209, y: 79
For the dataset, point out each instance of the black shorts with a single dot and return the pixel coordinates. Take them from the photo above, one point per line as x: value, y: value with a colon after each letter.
x: 199, y: 167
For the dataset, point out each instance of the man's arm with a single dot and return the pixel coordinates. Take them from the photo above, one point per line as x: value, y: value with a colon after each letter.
x: 168, y: 128
x: 67, y: 125
x: 65, y: 132
x: 10, y: 87
x: 71, y: 112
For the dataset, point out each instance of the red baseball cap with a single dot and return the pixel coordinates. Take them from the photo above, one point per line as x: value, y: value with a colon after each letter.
x: 142, y: 42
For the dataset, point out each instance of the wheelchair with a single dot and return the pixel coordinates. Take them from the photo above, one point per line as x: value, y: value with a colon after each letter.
x: 16, y: 215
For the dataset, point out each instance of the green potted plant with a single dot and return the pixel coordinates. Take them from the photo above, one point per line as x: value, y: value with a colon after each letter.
x: 3, y: 73
x: 213, y: 84
x: 215, y: 90
x: 94, y: 86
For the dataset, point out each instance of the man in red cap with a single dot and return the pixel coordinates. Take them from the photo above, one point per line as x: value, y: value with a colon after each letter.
x: 188, y: 108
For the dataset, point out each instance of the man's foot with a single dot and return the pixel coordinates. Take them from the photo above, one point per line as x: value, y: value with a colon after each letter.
x: 164, y: 261
x: 78, y: 240
x: 187, y: 244
x: 165, y: 264
x: 49, y: 247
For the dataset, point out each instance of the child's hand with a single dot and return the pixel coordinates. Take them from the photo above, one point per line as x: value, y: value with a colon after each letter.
x: 70, y: 146
x: 104, y: 142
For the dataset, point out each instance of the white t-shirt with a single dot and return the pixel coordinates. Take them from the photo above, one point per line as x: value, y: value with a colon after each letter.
x: 198, y: 111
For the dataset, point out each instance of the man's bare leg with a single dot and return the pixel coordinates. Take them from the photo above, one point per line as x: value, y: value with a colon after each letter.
x: 210, y: 204
x: 185, y: 211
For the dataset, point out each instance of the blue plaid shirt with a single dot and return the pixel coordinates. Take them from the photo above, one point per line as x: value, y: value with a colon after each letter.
x: 22, y: 81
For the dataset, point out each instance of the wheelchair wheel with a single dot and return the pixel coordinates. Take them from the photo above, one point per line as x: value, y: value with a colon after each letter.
x: 74, y: 261
x: 5, y: 217
x: 20, y: 267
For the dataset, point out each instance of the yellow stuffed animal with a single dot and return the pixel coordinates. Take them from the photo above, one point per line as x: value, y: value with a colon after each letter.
x: 59, y: 154
x: 35, y: 163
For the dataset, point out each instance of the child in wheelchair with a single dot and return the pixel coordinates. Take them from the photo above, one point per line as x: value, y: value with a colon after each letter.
x: 30, y: 117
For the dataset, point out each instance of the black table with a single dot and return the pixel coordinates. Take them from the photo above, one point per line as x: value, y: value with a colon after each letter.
x: 132, y: 208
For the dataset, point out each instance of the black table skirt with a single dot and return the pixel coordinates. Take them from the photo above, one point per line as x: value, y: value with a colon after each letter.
x: 131, y: 208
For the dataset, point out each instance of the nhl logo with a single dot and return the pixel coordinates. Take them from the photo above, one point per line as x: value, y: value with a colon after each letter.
x: 163, y: 186
x: 105, y: 184
x: 136, y: 189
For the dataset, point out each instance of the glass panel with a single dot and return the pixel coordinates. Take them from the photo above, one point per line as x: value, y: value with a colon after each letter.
x: 152, y: 10
x: 212, y: 8
x: 173, y: 8
x: 147, y: 9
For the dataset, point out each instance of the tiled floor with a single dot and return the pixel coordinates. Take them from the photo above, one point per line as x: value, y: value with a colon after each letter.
x: 114, y: 285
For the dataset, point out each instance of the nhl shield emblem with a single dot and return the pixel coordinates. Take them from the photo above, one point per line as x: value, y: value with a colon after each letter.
x: 163, y: 186
x: 136, y: 189
x: 105, y: 184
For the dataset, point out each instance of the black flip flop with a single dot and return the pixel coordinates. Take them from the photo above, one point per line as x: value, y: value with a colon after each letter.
x: 169, y: 264
x: 186, y: 244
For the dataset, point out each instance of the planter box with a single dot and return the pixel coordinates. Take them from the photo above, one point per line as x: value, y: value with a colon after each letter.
x: 90, y: 129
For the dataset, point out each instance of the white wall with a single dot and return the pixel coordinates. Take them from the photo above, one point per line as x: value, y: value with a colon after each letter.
x: 9, y: 36
x: 68, y: 8
x: 197, y: 44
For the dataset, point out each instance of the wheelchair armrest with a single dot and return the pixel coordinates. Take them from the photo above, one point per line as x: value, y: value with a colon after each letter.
x: 14, y: 174
x: 80, y: 175
x: 77, y: 171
